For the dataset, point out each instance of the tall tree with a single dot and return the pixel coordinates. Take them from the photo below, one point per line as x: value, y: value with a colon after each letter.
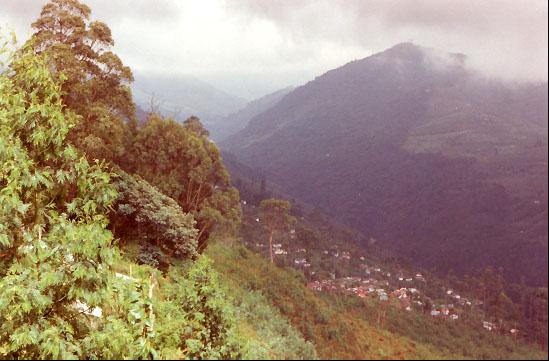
x: 275, y: 215
x: 96, y: 81
x: 182, y: 163
x: 55, y: 250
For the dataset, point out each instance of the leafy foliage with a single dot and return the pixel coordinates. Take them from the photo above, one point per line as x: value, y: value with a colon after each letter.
x: 142, y: 213
x: 55, y: 250
x: 183, y: 164
x: 199, y: 322
x: 96, y: 81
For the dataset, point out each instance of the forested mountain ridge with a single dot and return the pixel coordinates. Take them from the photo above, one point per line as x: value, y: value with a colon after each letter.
x: 238, y: 120
x: 436, y: 161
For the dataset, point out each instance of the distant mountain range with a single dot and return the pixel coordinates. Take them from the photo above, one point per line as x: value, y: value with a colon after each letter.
x: 237, y: 121
x: 183, y: 96
x: 433, y: 160
x: 180, y: 97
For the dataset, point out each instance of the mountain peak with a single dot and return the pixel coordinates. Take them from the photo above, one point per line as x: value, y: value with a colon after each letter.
x: 405, y: 50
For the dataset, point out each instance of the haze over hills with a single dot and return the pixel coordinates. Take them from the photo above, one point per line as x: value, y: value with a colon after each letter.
x: 435, y: 161
x: 183, y: 96
x: 237, y: 121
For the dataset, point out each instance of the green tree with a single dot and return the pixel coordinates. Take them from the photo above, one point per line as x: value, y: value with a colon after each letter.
x: 141, y: 212
x: 96, y: 80
x: 183, y: 164
x: 55, y: 250
x: 307, y: 237
x: 535, y: 320
x: 275, y: 215
x: 195, y: 125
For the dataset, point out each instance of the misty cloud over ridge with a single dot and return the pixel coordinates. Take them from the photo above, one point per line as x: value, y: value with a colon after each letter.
x: 253, y: 47
x: 503, y: 38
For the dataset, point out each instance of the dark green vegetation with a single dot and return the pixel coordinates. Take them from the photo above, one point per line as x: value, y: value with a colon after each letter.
x: 408, y: 146
x: 121, y: 239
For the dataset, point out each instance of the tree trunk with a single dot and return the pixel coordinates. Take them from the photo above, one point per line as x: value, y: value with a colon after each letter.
x: 271, y: 246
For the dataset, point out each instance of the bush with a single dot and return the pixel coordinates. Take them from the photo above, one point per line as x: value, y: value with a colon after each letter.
x: 142, y: 213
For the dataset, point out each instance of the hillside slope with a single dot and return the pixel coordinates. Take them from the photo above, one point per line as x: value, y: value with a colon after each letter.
x: 437, y: 162
x: 237, y: 121
x: 345, y: 327
x: 183, y: 96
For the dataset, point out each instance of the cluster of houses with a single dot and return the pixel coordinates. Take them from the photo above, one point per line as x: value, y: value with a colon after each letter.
x: 278, y: 250
x: 492, y: 327
x: 379, y: 284
x: 445, y: 311
x: 335, y: 253
x: 357, y: 286
x: 407, y: 297
x: 302, y: 262
x: 404, y: 289
x: 462, y: 301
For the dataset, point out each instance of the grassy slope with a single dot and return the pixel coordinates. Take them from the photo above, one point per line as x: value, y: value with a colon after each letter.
x: 337, y: 334
x: 344, y: 327
x: 281, y: 319
x: 265, y: 332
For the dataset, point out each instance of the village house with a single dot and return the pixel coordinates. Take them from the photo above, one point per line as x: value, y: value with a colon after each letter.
x: 400, y: 293
x: 489, y: 326
x: 277, y: 248
x: 445, y: 311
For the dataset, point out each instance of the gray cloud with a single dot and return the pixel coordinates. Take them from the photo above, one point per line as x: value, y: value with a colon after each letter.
x: 505, y: 38
x: 251, y: 47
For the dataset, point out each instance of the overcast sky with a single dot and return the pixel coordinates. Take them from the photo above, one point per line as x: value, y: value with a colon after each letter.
x: 252, y: 47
